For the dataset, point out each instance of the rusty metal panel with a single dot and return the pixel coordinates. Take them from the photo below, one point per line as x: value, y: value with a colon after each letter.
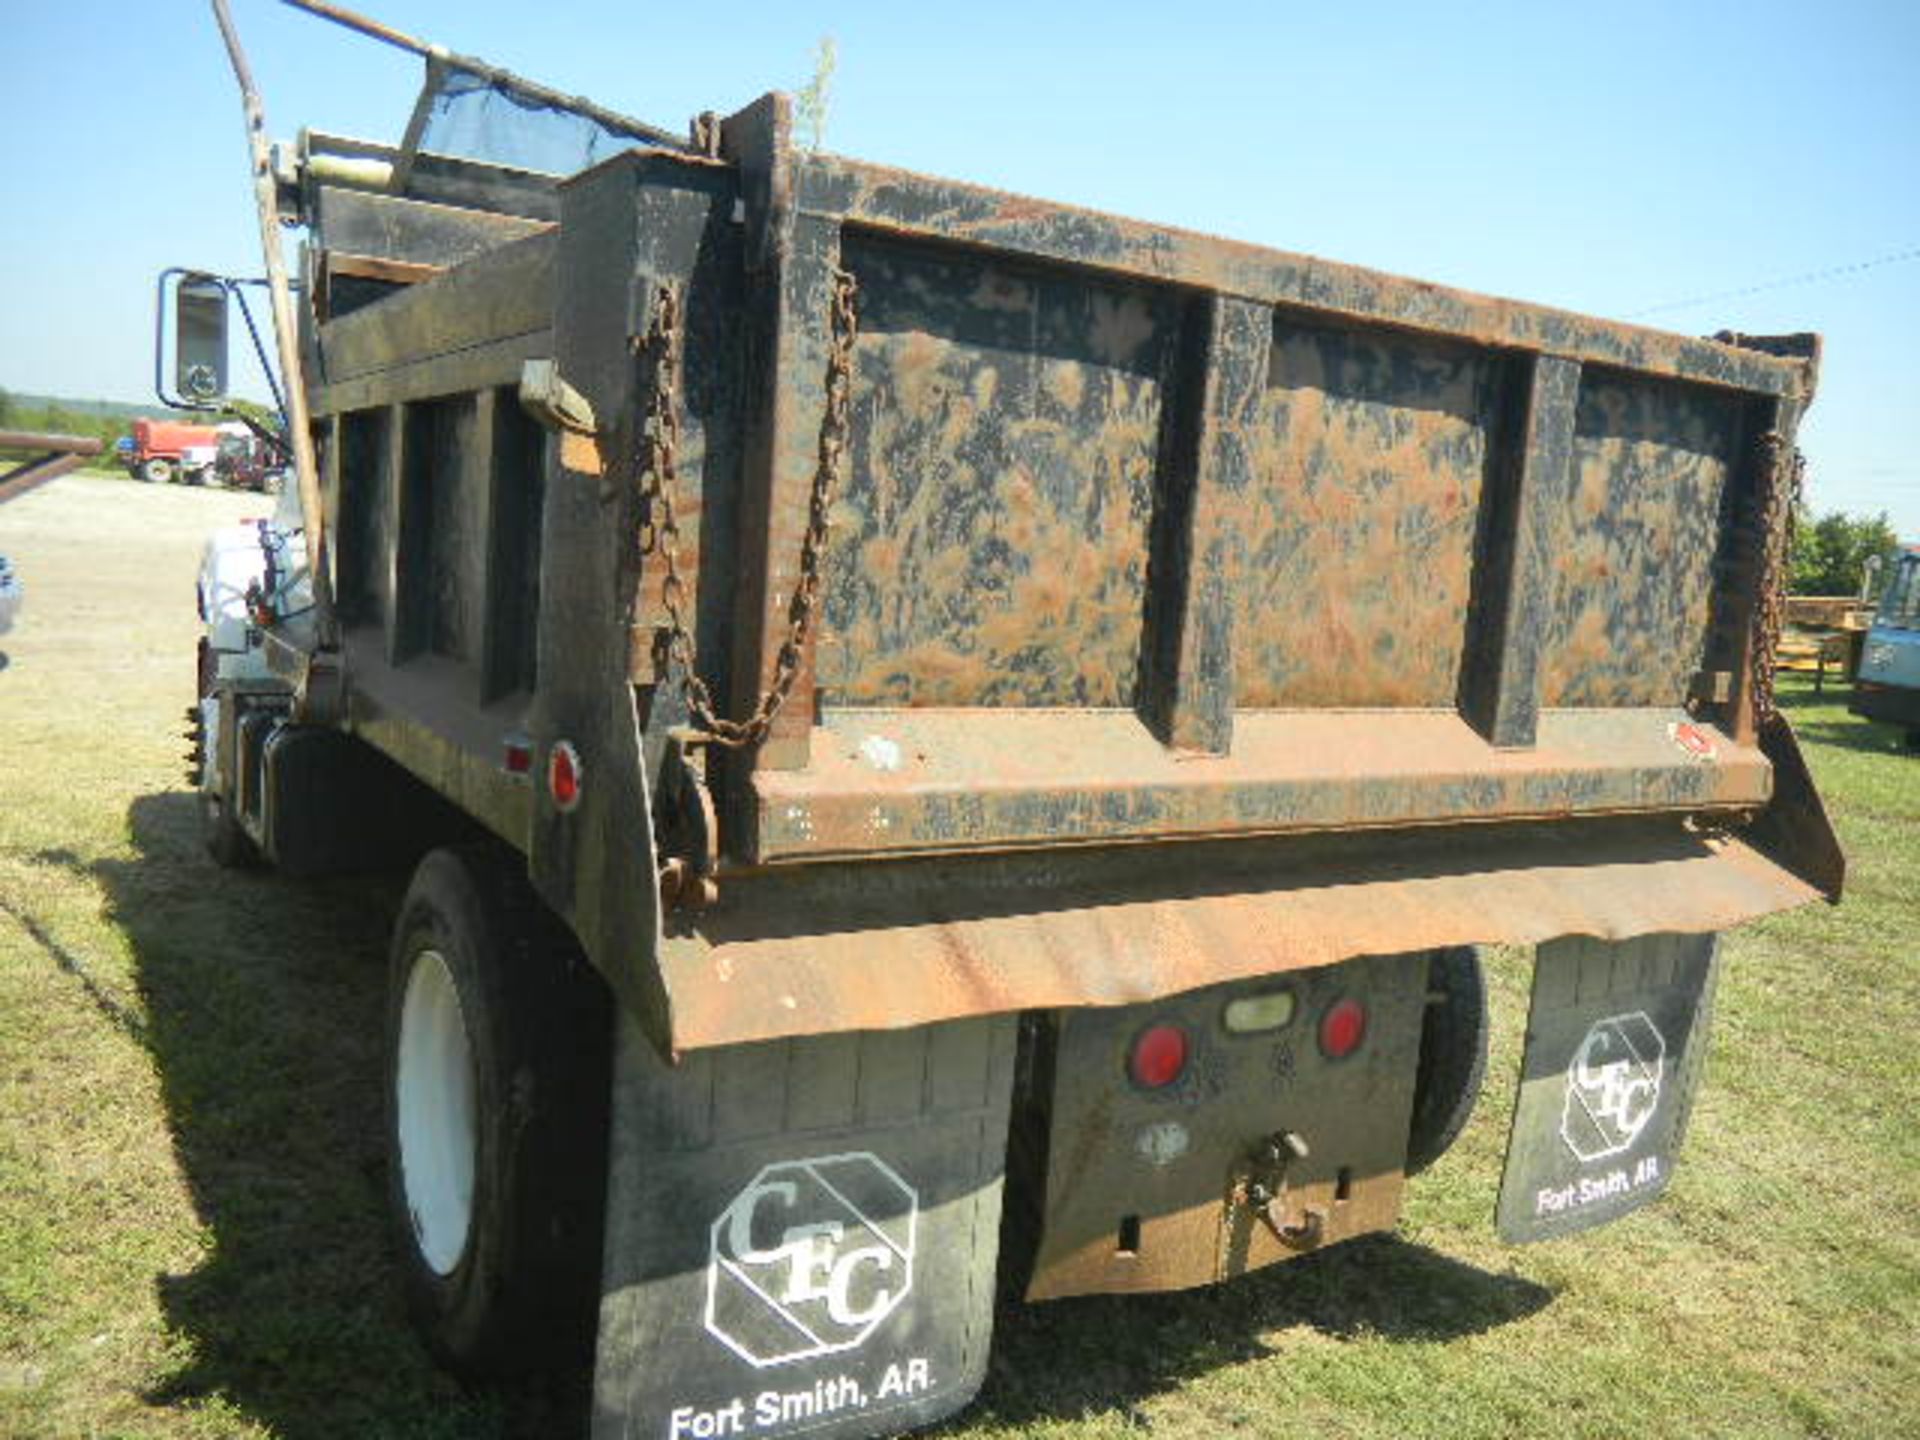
x: 990, y: 542
x: 1149, y: 1189
x: 1200, y: 547
x: 1737, y: 637
x: 511, y: 601
x: 905, y: 203
x: 1628, y: 625
x: 1523, y: 517
x: 439, y: 564
x: 1361, y: 526
x: 892, y: 781
x: 364, y: 485
x: 1795, y: 830
x: 419, y: 232
x: 499, y: 293
x: 820, y: 948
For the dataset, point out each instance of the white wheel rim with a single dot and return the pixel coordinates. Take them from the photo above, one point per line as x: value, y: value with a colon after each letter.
x: 433, y: 1091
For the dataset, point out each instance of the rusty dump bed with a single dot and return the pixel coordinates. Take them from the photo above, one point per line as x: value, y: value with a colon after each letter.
x: 1187, y: 609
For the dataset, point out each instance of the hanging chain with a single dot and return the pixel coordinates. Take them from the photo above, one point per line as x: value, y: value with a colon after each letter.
x: 659, y: 479
x: 1782, y: 468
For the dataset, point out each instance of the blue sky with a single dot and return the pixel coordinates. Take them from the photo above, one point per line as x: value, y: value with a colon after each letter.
x: 1610, y: 158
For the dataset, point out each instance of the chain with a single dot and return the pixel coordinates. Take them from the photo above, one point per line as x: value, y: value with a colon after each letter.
x: 659, y: 480
x: 1781, y: 470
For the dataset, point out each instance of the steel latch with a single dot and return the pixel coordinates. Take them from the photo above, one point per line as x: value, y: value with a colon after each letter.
x: 552, y: 401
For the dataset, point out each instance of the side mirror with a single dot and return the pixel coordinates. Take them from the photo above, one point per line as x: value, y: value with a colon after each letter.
x: 200, y: 339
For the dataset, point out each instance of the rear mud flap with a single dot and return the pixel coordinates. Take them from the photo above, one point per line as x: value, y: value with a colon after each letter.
x: 802, y: 1234
x: 1616, y: 1040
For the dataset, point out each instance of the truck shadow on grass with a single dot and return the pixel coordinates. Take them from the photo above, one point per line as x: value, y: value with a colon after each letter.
x: 265, y: 1004
x: 1071, y: 1358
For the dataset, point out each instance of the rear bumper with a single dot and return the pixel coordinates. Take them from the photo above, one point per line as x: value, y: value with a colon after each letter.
x: 808, y: 949
x: 879, y: 944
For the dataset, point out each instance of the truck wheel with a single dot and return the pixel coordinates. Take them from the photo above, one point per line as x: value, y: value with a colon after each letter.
x: 230, y: 846
x: 1453, y: 1054
x: 156, y: 471
x: 499, y: 1044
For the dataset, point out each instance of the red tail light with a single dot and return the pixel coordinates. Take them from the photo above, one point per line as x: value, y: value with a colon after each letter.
x: 564, y: 776
x: 1342, y: 1028
x: 1159, y: 1057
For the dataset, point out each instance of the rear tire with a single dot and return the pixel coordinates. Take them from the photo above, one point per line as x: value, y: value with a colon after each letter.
x: 499, y: 1042
x: 1453, y: 1054
x: 156, y: 472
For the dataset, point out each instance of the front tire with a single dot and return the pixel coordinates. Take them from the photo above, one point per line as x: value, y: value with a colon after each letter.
x: 499, y: 1065
x: 156, y: 471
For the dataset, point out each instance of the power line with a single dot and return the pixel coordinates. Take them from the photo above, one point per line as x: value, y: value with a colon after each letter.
x: 1811, y: 277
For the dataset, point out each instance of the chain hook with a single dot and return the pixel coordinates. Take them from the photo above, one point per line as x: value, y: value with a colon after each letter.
x: 657, y: 467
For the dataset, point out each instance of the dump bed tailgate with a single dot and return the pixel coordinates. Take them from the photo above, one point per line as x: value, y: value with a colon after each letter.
x: 1141, y: 533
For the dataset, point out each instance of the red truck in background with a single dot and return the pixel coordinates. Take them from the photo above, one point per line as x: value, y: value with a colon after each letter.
x: 247, y: 461
x: 164, y: 448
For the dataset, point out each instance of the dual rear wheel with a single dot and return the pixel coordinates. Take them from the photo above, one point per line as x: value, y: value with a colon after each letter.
x: 499, y: 1044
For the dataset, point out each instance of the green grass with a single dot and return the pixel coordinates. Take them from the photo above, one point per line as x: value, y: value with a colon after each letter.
x: 191, y: 1178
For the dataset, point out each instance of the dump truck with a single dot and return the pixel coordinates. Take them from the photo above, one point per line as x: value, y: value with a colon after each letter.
x: 954, y: 746
x: 164, y: 450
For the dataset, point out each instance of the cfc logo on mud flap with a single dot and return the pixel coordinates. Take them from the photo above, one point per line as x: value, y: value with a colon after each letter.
x: 1613, y: 1086
x: 810, y: 1257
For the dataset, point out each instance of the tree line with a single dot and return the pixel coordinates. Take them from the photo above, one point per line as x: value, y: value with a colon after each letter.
x: 1830, y: 554
x: 53, y: 416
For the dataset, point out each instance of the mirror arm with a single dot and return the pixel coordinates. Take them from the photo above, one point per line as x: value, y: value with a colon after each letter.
x: 259, y: 348
x: 299, y: 423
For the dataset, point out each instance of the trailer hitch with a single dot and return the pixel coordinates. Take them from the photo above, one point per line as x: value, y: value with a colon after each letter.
x: 1264, y: 1191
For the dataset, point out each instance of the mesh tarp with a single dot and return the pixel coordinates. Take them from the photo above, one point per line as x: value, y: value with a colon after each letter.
x: 483, y: 117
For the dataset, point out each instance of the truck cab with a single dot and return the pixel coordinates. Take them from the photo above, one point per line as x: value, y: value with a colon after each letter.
x: 1887, y: 686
